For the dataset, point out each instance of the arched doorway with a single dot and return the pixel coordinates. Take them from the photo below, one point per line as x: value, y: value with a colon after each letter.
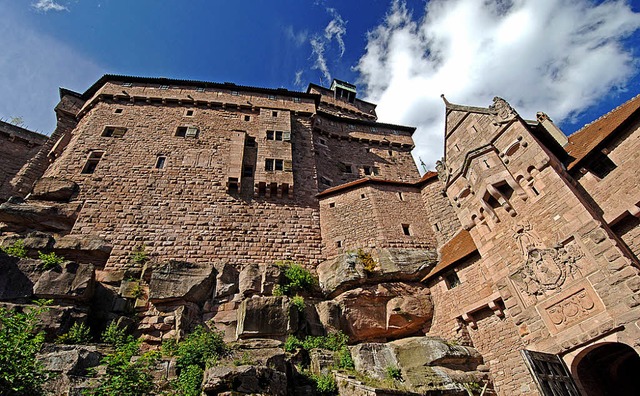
x: 608, y: 369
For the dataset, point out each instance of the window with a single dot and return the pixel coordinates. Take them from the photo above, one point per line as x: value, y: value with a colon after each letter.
x: 322, y: 142
x: 189, y: 113
x: 270, y: 135
x: 400, y: 196
x: 451, y: 279
x: 187, y: 132
x: 296, y: 100
x: 339, y: 244
x: 374, y: 129
x: 247, y: 118
x: 367, y: 170
x: 279, y: 164
x: 127, y: 84
x: 118, y: 111
x: 235, y: 93
x: 160, y: 162
x: 274, y: 114
x: 390, y: 152
x: 346, y: 168
x: 247, y: 171
x: 268, y: 164
x: 375, y: 170
x: 250, y: 141
x: 272, y: 97
x: 92, y: 162
x: 278, y: 135
x: 406, y: 229
x: 367, y: 150
x: 601, y: 165
x: 164, y: 87
x: 436, y: 227
x: 199, y: 89
x: 116, y: 132
x: 332, y: 204
x: 362, y: 196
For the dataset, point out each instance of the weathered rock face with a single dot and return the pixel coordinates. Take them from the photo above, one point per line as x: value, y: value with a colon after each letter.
x: 69, y: 281
x: 380, y: 312
x: 425, y: 363
x: 266, y: 317
x: 179, y: 280
x: 346, y: 271
x: 18, y: 277
x: 69, y: 359
x: 53, y: 189
x: 255, y: 380
x: 56, y: 217
x: 84, y: 248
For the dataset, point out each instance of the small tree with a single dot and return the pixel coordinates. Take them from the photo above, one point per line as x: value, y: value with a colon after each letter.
x: 20, y: 372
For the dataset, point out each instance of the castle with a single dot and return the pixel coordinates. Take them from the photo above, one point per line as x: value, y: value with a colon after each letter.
x: 522, y: 248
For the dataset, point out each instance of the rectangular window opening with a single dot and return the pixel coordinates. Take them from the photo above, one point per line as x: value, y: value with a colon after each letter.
x: 189, y: 113
x: 406, y: 229
x: 199, y: 89
x: 118, y: 111
x: 247, y: 118
x: 362, y: 196
x: 92, y: 162
x: 160, y: 162
x: 332, y: 204
x: 274, y: 189
x: 235, y: 93
x: 367, y: 170
x: 268, y: 164
x: 250, y: 141
x: 164, y: 87
x: 279, y: 165
x: 232, y: 185
x: 400, y: 196
x: 601, y: 165
x: 270, y: 135
x: 272, y: 97
x: 296, y: 100
x: 451, y: 279
x: 127, y: 84
x: 338, y: 244
x: 285, y: 189
x: 278, y: 135
x: 274, y: 114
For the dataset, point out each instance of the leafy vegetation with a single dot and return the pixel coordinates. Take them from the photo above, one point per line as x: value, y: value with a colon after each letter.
x: 50, y: 260
x: 124, y: 376
x: 16, y: 249
x: 20, y: 372
x: 325, y: 384
x: 298, y: 302
x: 394, y: 373
x: 116, y: 336
x: 77, y: 334
x: 368, y: 263
x: 297, y: 279
x: 244, y: 360
x: 139, y: 256
x: 199, y: 350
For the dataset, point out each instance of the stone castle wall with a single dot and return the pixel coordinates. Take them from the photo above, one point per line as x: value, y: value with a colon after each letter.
x: 17, y: 147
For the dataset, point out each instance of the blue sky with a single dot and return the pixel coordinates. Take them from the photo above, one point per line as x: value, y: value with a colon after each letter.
x: 574, y: 59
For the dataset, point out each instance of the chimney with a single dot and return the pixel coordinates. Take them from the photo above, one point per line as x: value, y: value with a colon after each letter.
x: 553, y: 130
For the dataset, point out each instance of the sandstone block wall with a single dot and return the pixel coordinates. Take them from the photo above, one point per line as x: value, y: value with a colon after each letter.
x: 17, y: 147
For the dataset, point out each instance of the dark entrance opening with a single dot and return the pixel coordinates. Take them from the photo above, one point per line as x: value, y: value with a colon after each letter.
x: 608, y: 369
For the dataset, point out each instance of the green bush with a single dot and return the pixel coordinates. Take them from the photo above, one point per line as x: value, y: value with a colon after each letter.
x: 333, y: 341
x: 394, y: 373
x: 325, y: 384
x: 16, y: 249
x: 298, y: 302
x: 345, y: 361
x: 297, y: 279
x: 116, y: 336
x: 201, y: 348
x: 190, y: 381
x: 20, y: 372
x: 292, y: 343
x: 50, y: 260
x: 77, y: 334
x: 125, y: 377
x: 139, y: 256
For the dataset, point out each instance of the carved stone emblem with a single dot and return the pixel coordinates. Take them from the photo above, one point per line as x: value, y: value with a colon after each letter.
x: 503, y: 109
x: 544, y: 270
x: 572, y: 306
x: 443, y: 172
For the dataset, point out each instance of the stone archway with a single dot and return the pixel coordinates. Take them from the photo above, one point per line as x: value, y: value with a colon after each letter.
x: 610, y: 368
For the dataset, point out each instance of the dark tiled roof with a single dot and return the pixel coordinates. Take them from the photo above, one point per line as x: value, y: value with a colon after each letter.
x: 370, y: 180
x: 459, y: 247
x: 582, y: 142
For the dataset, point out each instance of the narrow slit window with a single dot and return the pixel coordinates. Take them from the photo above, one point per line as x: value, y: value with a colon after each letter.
x: 338, y: 244
x: 92, y: 162
x: 406, y: 229
x: 161, y: 161
x: 400, y: 196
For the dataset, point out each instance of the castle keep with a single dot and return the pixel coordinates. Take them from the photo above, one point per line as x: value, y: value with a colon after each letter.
x: 176, y: 203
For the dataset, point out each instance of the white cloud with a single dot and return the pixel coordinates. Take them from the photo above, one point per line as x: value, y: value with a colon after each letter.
x: 557, y: 56
x: 298, y: 79
x: 49, y: 5
x: 335, y: 30
x: 32, y: 68
x: 298, y: 38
